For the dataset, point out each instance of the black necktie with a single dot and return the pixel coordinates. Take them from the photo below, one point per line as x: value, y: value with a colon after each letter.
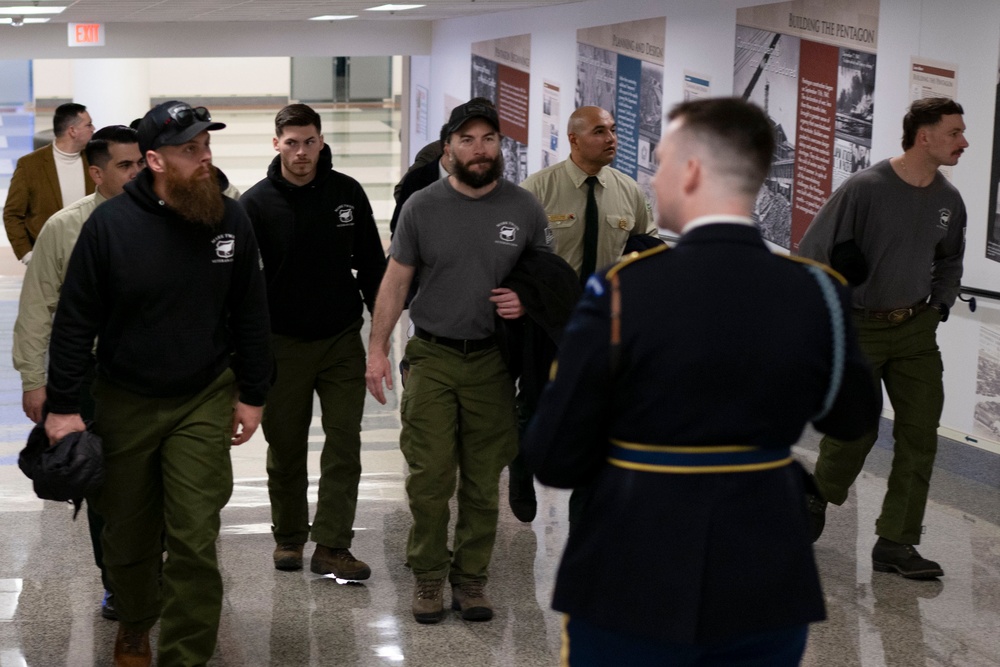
x: 589, y: 232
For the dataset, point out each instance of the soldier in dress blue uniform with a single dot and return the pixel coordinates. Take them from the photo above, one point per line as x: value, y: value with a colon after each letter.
x: 683, y: 379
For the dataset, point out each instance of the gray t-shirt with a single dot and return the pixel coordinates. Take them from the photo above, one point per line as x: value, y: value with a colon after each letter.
x: 462, y: 248
x: 912, y: 238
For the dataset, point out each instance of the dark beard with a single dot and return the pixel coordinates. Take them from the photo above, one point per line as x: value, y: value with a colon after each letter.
x: 477, y: 179
x: 196, y: 200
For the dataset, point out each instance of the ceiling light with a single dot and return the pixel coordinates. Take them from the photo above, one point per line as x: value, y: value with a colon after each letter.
x: 392, y: 8
x: 334, y: 17
x: 19, y: 21
x: 21, y: 11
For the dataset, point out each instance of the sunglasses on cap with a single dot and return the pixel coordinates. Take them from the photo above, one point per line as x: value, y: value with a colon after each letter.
x: 185, y: 116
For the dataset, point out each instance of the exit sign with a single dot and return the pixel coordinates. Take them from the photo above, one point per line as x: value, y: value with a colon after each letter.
x: 86, y: 34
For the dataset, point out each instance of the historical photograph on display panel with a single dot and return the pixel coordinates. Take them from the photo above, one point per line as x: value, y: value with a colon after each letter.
x: 855, y: 111
x: 596, y: 77
x: 515, y: 160
x: 993, y: 222
x: 848, y: 158
x: 650, y: 127
x: 856, y: 96
x: 765, y: 72
x: 986, y: 418
x: 484, y: 78
x: 651, y: 100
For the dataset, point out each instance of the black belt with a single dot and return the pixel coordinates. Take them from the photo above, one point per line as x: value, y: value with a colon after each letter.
x: 464, y: 346
x: 897, y: 316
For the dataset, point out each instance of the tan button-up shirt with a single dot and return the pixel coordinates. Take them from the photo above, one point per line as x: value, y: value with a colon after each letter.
x: 621, y: 207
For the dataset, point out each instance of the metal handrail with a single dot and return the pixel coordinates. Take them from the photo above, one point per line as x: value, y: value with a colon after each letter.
x: 974, y: 292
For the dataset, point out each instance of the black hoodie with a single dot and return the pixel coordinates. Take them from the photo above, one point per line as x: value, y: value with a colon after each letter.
x: 172, y: 303
x: 311, y: 237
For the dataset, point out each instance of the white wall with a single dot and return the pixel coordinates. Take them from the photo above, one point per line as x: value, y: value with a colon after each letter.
x: 213, y: 77
x: 700, y: 36
x: 179, y: 76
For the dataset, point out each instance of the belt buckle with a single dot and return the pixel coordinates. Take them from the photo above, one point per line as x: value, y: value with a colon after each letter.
x: 899, y: 315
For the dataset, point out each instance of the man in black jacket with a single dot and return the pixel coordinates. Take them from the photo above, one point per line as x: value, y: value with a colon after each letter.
x: 167, y: 277
x: 315, y: 226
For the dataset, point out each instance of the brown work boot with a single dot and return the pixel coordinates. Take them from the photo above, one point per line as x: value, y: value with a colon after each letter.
x: 338, y: 562
x: 428, y: 603
x: 288, y: 556
x: 132, y: 648
x: 469, y: 597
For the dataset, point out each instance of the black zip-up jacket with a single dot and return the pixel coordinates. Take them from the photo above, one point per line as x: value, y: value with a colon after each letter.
x: 172, y: 303
x: 311, y: 237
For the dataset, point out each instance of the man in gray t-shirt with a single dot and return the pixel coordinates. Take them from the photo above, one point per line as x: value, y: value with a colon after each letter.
x: 461, y: 236
x: 897, y: 232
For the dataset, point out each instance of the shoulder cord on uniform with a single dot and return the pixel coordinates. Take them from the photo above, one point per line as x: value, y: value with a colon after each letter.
x: 838, y: 334
x: 616, y: 300
x: 614, y: 354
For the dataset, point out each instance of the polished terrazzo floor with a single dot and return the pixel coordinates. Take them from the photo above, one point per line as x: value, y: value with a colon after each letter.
x: 50, y: 590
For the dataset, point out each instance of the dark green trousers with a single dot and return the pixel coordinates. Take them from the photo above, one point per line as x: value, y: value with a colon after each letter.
x: 906, y: 359
x: 168, y: 475
x: 473, y: 392
x: 333, y: 368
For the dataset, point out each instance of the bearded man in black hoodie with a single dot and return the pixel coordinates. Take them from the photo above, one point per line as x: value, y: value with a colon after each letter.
x: 167, y: 277
x: 315, y: 227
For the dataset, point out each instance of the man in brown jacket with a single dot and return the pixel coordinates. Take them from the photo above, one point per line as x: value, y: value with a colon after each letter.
x: 48, y: 178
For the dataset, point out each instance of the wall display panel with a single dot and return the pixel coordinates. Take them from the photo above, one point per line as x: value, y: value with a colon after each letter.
x: 500, y: 72
x: 993, y: 222
x: 696, y: 86
x: 620, y: 69
x: 811, y: 67
x: 551, y: 123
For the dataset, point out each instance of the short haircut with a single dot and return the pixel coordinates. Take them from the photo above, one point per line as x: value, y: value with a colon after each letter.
x: 97, y: 151
x: 296, y: 115
x: 738, y: 136
x: 65, y: 118
x: 578, y: 118
x: 926, y: 111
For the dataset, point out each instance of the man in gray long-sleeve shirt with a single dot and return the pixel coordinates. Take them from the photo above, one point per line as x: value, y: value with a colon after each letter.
x: 897, y: 232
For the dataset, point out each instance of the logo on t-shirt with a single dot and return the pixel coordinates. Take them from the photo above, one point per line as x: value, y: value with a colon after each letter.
x: 508, y: 233
x: 944, y: 219
x: 225, y: 248
x: 345, y: 215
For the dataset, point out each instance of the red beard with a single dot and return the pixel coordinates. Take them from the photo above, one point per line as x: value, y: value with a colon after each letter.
x: 197, y: 200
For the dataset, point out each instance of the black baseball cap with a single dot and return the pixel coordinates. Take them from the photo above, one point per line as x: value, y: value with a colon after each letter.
x: 463, y: 113
x: 172, y: 124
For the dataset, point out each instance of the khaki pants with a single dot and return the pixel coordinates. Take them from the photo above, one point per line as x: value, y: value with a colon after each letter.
x: 473, y: 393
x: 168, y: 475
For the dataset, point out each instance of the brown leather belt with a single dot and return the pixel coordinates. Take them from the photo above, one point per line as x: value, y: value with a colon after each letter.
x: 897, y: 316
x: 463, y: 346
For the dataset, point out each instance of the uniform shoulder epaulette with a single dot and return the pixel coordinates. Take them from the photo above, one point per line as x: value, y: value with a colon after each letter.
x: 633, y: 257
x: 819, y: 265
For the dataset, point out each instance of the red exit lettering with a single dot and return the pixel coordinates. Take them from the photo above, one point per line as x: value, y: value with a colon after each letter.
x: 88, y: 33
